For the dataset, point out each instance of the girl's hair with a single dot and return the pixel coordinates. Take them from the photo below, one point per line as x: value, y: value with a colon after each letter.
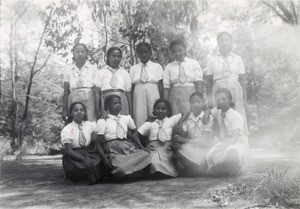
x: 109, y: 99
x: 177, y: 42
x: 166, y: 102
x: 228, y: 93
x: 143, y: 44
x: 224, y: 33
x: 70, y: 118
x: 110, y: 51
x: 75, y: 46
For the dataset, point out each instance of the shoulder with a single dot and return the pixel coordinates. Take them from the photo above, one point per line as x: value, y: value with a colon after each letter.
x: 170, y: 65
x: 234, y: 114
x: 134, y: 67
x: 214, y: 112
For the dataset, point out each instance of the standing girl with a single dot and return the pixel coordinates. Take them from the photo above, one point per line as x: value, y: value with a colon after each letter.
x: 226, y: 157
x: 125, y: 157
x: 193, y: 144
x: 146, y: 77
x: 160, y: 135
x: 78, y: 83
x: 226, y: 70
x: 181, y: 78
x: 80, y: 161
x: 113, y: 79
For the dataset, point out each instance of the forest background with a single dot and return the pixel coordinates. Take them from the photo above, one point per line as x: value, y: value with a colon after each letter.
x: 37, y: 38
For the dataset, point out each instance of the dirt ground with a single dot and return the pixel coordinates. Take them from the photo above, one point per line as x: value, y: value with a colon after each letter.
x: 38, y: 182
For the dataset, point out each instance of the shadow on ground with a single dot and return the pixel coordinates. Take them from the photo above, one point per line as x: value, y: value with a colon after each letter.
x: 38, y: 182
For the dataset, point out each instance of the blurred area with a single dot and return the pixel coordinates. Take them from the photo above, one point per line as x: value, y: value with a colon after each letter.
x: 37, y: 38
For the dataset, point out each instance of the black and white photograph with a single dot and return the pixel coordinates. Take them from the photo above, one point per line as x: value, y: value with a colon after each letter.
x: 149, y: 104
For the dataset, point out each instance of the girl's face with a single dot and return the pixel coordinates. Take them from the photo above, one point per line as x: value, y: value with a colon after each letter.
x: 178, y: 52
x: 78, y: 113
x: 223, y: 102
x: 80, y: 54
x: 144, y: 54
x: 114, y: 59
x: 197, y: 105
x: 161, y: 111
x: 115, y: 106
x: 225, y: 44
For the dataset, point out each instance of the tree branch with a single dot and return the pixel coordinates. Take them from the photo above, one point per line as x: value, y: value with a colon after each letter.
x: 24, y: 11
x: 286, y: 13
x: 277, y: 13
x: 294, y: 12
x: 44, y: 64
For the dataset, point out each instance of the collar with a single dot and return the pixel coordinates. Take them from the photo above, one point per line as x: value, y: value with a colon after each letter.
x: 194, y: 118
x: 227, y: 112
x: 160, y: 121
x: 147, y: 64
x: 76, y: 124
x: 184, y: 60
x: 84, y: 66
x: 111, y: 69
x: 230, y: 54
x: 113, y: 116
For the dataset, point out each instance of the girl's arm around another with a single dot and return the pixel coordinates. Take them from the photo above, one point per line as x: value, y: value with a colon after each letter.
x: 136, y: 137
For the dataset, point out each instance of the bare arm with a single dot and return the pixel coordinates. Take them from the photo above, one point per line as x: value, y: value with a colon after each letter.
x: 137, y: 138
x: 209, y: 85
x: 129, y: 99
x: 100, y: 143
x: 199, y: 85
x: 243, y: 82
x: 160, y: 88
x: 65, y: 100
x: 166, y: 93
x: 98, y: 102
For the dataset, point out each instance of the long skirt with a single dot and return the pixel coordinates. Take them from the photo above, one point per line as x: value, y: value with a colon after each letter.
x: 179, y: 98
x: 124, y: 102
x: 144, y: 96
x: 192, y: 156
x: 217, y: 154
x: 162, y: 158
x: 236, y: 90
x: 87, y: 97
x: 76, y: 171
x: 126, y: 158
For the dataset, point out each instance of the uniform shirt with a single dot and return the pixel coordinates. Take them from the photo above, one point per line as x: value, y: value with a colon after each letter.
x: 215, y: 66
x: 154, y: 72
x: 233, y: 120
x: 152, y: 128
x: 103, y: 77
x: 70, y: 133
x: 72, y: 75
x: 191, y: 68
x: 195, y: 127
x: 108, y: 127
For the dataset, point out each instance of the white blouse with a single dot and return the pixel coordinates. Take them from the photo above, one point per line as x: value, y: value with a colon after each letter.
x: 108, y: 127
x: 154, y: 72
x: 103, y: 77
x: 215, y: 66
x: 191, y: 68
x: 152, y: 128
x: 70, y: 133
x: 80, y: 78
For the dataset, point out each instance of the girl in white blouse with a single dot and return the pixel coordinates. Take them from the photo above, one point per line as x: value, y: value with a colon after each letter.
x: 78, y: 83
x: 146, y: 77
x: 195, y: 139
x: 181, y: 78
x: 80, y: 160
x: 126, y: 157
x: 227, y: 70
x: 227, y: 156
x: 160, y: 136
x: 113, y: 79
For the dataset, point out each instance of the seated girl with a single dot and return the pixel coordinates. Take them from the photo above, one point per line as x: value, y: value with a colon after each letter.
x: 160, y: 133
x: 192, y: 145
x: 226, y: 157
x: 80, y: 160
x: 125, y: 157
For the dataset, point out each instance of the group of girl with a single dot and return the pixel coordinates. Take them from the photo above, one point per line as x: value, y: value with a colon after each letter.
x: 193, y: 141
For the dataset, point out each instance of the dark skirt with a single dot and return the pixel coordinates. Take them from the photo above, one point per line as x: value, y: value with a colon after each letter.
x: 76, y: 171
x: 126, y: 158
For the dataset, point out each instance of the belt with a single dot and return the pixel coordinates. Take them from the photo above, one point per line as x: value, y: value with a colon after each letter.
x: 112, y: 90
x: 183, y: 84
x: 81, y: 88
